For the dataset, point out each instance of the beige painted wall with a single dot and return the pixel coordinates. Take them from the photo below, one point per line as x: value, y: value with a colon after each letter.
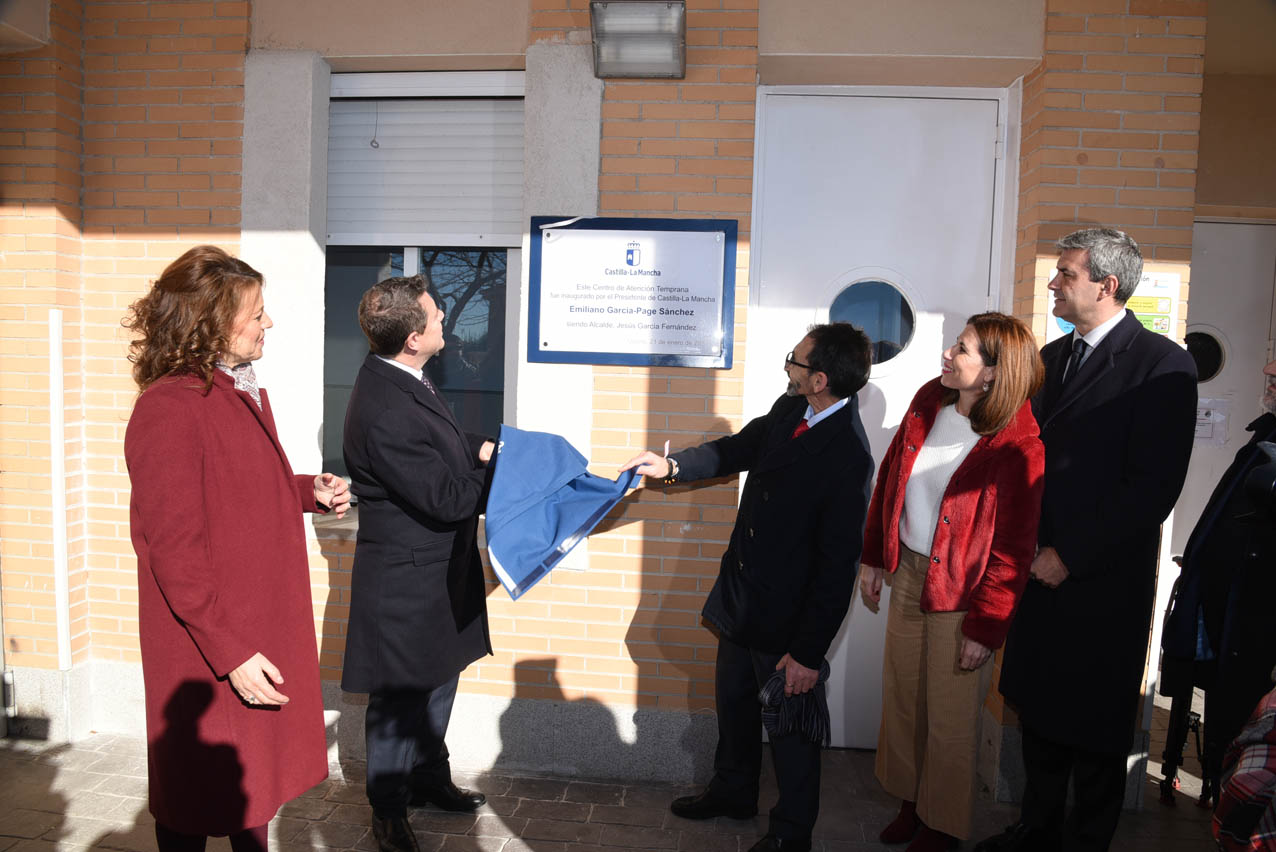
x: 1236, y: 175
x: 904, y: 42
x: 23, y: 25
x: 398, y: 35
x: 1239, y: 37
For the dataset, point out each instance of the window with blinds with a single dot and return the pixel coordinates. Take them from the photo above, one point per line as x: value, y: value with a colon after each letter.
x: 443, y: 171
x: 425, y: 176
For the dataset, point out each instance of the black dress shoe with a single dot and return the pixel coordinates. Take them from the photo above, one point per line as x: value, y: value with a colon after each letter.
x: 771, y: 843
x: 1020, y: 838
x: 708, y: 805
x: 447, y: 796
x: 393, y: 834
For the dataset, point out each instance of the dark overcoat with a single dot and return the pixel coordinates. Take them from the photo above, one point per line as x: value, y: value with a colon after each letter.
x: 1228, y: 585
x: 418, y: 611
x: 1118, y: 438
x: 786, y: 579
x: 223, y: 573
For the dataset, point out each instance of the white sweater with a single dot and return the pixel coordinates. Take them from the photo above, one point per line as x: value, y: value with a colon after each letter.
x: 945, y: 448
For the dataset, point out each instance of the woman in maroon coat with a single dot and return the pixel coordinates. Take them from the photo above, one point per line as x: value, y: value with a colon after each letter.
x: 234, y: 716
x: 954, y: 518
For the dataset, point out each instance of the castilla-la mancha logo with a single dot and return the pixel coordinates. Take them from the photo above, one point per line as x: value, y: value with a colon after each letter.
x: 633, y: 255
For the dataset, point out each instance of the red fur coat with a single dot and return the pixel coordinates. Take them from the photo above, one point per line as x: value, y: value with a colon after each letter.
x: 986, y: 535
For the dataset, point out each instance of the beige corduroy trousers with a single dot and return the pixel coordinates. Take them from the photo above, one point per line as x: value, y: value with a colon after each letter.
x: 931, y: 709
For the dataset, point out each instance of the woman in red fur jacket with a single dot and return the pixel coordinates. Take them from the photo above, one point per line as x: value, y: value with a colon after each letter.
x: 954, y: 518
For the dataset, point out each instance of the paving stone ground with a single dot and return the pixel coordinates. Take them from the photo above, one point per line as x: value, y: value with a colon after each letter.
x: 92, y: 795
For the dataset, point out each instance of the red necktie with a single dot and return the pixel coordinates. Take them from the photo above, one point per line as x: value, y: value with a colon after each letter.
x: 801, y: 427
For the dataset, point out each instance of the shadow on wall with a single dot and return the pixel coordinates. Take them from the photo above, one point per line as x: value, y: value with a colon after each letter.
x: 336, y: 541
x: 673, y: 648
x: 583, y: 726
x: 344, y: 734
x: 550, y: 734
x: 684, y: 533
x: 669, y: 733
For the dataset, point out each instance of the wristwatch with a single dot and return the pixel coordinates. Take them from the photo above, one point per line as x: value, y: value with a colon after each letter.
x: 672, y: 477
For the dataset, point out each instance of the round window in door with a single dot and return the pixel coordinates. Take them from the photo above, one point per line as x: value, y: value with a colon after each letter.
x: 1207, y: 351
x: 881, y: 310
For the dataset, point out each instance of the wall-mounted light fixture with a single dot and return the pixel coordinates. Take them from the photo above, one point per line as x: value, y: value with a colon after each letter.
x: 639, y: 38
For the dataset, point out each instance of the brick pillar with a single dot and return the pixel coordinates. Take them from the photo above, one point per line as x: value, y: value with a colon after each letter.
x: 677, y: 148
x: 41, y: 111
x: 120, y: 149
x: 1110, y: 133
x: 627, y: 632
x: 163, y: 122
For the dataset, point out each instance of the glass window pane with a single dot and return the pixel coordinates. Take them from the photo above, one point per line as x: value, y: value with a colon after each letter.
x: 350, y: 271
x: 1207, y: 351
x: 471, y: 368
x: 881, y: 310
x: 470, y: 372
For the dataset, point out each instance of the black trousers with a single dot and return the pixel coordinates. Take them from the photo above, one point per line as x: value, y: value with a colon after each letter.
x: 404, y: 734
x: 248, y: 840
x: 1098, y: 790
x: 737, y: 763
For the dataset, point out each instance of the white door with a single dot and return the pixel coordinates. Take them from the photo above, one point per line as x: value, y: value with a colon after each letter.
x: 1230, y: 301
x: 895, y: 193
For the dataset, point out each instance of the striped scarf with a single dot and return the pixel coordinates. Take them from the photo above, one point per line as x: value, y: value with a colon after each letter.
x: 807, y: 714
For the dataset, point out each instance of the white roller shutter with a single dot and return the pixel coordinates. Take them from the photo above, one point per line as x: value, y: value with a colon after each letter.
x: 443, y: 172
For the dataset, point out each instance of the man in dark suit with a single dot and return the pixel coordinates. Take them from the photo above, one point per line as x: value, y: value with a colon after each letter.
x: 1117, y: 416
x: 1222, y: 628
x: 418, y: 614
x: 787, y: 575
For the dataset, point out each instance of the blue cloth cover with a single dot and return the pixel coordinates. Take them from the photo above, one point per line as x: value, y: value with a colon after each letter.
x: 542, y: 503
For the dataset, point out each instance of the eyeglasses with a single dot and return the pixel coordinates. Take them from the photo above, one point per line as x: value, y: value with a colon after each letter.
x: 789, y: 360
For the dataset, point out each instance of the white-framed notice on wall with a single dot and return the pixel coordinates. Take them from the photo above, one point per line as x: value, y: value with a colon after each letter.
x: 632, y: 291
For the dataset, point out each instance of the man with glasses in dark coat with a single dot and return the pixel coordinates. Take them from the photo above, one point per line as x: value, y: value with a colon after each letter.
x: 786, y: 578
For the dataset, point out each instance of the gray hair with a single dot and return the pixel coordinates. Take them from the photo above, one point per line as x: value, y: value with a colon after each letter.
x: 1112, y: 252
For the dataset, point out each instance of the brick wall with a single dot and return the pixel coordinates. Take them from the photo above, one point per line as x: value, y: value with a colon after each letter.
x: 40, y: 129
x: 1110, y: 136
x: 627, y: 631
x: 120, y: 147
x: 559, y: 20
x: 1110, y: 132
x: 128, y: 153
x: 163, y: 118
